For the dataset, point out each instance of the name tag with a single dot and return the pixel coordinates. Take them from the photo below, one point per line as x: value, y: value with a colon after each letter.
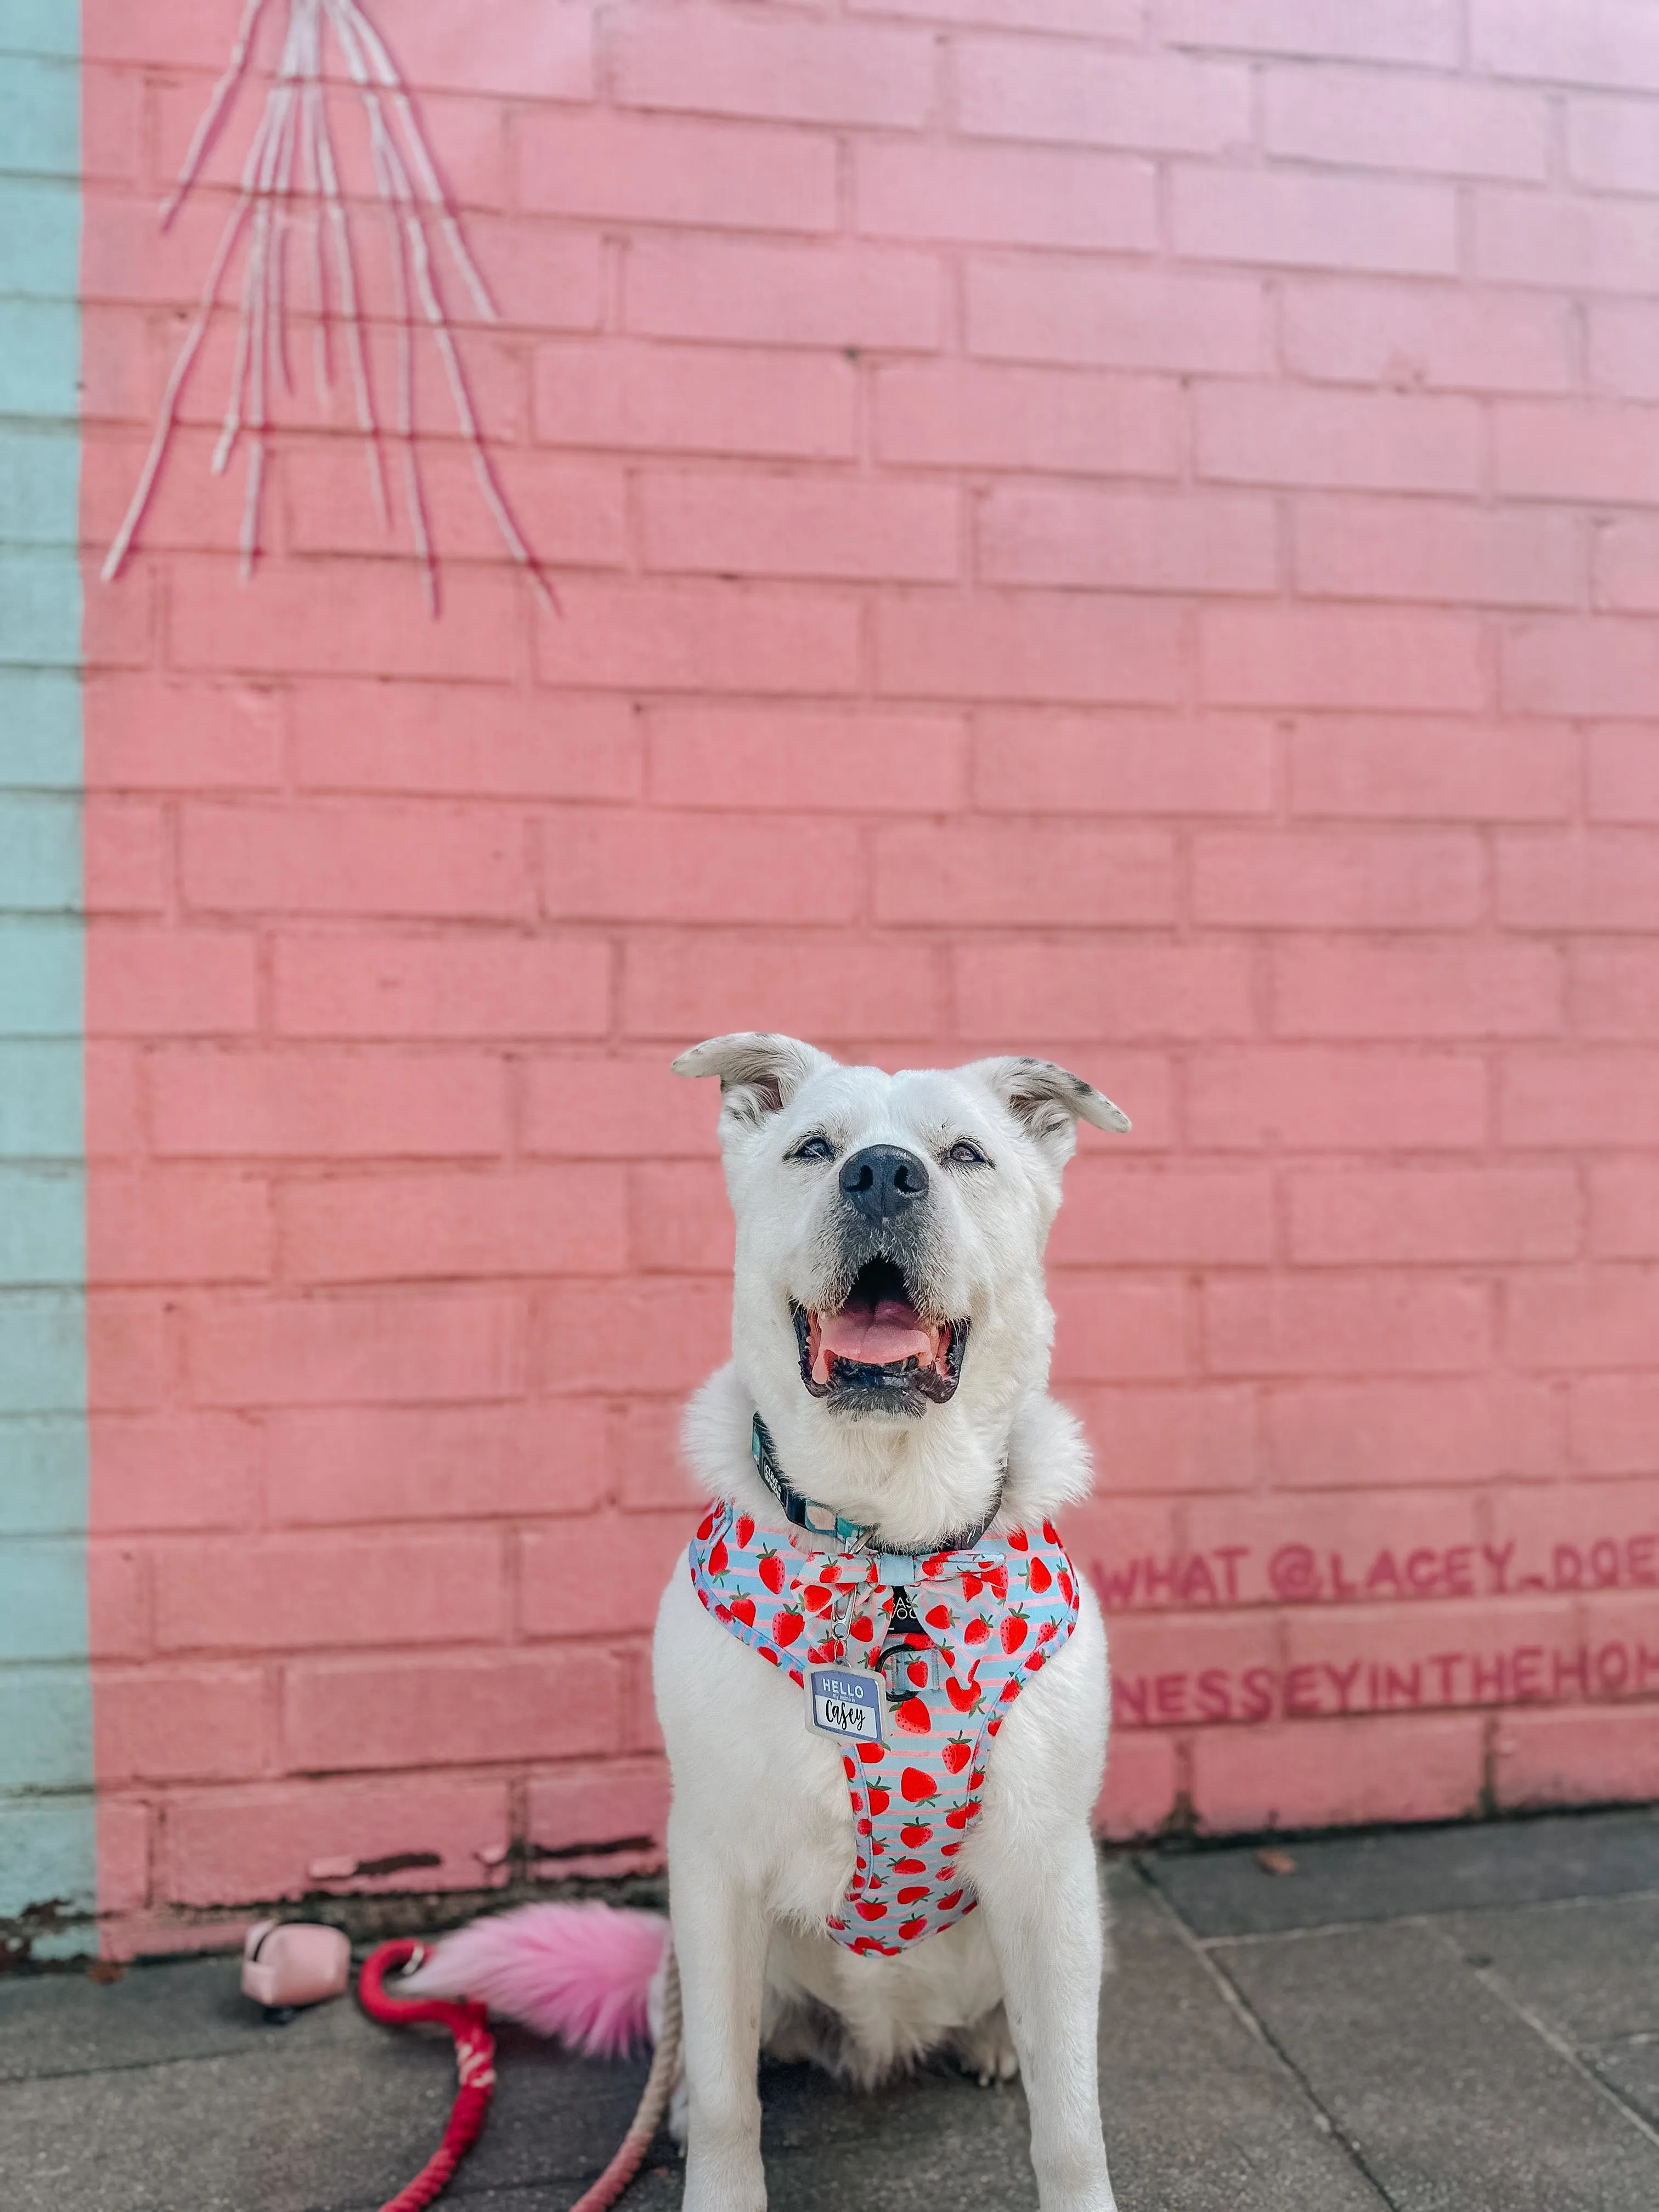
x: 842, y: 1702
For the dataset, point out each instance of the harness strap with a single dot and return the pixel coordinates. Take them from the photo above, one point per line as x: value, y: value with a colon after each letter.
x: 955, y: 1645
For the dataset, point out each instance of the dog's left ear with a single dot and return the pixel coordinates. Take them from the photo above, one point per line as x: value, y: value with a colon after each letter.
x: 759, y: 1073
x: 1048, y: 1101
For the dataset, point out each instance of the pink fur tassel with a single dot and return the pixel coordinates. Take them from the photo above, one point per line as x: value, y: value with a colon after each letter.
x: 578, y: 1972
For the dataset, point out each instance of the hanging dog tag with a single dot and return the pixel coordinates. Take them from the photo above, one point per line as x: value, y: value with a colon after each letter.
x: 839, y: 1702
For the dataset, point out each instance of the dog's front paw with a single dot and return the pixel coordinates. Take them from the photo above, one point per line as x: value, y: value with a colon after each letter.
x: 724, y: 2186
x: 1074, y: 2188
x: 985, y: 2049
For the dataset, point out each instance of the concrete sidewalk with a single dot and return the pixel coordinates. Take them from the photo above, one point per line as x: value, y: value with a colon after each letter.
x: 1460, y: 2020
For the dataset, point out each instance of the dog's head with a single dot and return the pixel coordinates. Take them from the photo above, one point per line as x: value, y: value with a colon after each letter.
x: 890, y: 1229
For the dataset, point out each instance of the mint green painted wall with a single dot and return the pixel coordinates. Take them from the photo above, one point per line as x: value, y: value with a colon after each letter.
x: 48, y: 1857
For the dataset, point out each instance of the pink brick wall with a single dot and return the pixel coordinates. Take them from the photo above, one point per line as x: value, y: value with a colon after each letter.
x: 1125, y: 530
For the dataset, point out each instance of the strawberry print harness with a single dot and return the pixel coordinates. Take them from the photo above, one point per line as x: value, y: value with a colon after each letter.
x: 952, y: 1637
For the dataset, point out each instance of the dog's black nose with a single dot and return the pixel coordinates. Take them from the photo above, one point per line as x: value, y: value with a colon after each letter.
x: 881, y: 1180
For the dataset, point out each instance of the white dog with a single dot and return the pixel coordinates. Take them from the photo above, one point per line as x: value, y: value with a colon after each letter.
x: 891, y: 1327
x: 915, y: 1869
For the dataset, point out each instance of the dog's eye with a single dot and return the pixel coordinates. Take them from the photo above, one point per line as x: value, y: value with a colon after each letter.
x: 815, y: 1147
x: 963, y: 1154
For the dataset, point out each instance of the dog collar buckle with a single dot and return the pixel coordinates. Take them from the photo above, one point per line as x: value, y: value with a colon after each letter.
x: 800, y: 1512
x: 895, y: 1568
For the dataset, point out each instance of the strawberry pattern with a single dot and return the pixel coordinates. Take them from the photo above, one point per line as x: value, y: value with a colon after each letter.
x: 995, y: 1614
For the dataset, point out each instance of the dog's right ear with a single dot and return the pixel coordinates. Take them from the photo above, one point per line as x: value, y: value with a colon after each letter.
x: 759, y: 1073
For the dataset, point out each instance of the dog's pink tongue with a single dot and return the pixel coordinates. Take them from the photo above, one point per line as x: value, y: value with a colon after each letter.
x: 877, y: 1338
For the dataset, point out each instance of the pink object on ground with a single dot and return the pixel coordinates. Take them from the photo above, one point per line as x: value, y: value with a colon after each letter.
x: 294, y: 1962
x: 578, y: 1972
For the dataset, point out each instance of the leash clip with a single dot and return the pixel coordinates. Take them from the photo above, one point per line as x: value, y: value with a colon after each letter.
x: 899, y: 1663
x: 908, y: 1659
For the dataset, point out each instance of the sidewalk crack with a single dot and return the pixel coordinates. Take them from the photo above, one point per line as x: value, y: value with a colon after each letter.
x: 1492, y: 1980
x: 1240, y: 2006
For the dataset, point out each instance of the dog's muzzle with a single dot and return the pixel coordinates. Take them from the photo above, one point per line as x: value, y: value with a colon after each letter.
x: 885, y: 1340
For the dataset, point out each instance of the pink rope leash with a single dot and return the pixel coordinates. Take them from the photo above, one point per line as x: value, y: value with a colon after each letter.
x: 475, y: 2060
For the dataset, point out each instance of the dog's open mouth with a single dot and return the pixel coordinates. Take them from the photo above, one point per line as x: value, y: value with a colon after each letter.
x: 877, y: 1343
